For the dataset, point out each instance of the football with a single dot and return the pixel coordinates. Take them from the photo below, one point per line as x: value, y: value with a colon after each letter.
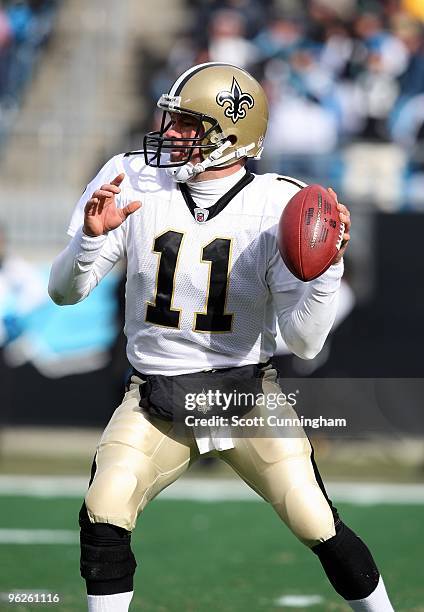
x: 310, y: 232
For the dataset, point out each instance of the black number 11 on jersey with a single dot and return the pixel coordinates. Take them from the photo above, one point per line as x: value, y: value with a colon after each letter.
x: 217, y: 254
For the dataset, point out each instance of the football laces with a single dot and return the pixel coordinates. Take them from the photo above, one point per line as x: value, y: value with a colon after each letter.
x: 341, y: 232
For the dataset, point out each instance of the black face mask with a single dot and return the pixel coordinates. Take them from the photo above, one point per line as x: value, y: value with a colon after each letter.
x: 156, y: 145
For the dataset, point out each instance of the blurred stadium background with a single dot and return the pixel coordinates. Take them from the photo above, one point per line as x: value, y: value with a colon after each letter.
x: 78, y: 83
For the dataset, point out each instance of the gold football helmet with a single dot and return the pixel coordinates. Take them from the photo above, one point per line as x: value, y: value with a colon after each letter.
x: 232, y: 115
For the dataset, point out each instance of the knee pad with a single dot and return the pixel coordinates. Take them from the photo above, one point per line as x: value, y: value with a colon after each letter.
x: 348, y: 564
x: 107, y: 562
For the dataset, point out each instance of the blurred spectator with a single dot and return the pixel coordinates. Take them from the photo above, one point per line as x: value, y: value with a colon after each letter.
x: 303, y: 131
x: 227, y: 39
x: 407, y: 117
x: 411, y: 34
x: 307, y: 149
x: 408, y: 131
x: 279, y: 38
x: 253, y: 12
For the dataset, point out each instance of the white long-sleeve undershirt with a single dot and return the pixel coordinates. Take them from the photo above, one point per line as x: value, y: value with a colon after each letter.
x: 78, y: 269
x: 305, y: 314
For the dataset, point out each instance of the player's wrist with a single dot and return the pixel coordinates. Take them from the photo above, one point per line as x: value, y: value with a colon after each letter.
x: 330, y: 280
x: 337, y: 264
x: 87, y: 232
x: 88, y: 242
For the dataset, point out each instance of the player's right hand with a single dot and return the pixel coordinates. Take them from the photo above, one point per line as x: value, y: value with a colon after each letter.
x: 101, y: 214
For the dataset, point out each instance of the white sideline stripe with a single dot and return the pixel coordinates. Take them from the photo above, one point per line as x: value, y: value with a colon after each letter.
x: 220, y: 489
x: 298, y: 601
x: 38, y: 536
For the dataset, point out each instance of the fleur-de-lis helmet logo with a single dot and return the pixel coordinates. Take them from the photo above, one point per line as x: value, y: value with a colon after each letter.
x: 236, y: 101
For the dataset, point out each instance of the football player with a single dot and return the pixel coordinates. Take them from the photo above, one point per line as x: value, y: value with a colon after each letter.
x: 205, y: 288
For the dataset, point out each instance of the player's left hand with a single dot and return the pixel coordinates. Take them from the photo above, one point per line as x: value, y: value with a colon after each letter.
x: 344, y: 216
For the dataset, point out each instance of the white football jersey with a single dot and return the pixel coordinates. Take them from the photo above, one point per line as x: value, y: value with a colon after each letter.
x: 199, y: 294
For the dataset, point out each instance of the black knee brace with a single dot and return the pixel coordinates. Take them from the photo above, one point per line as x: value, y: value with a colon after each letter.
x: 107, y: 562
x: 348, y: 564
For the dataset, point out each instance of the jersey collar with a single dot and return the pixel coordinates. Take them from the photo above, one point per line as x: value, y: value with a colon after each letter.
x: 209, y: 213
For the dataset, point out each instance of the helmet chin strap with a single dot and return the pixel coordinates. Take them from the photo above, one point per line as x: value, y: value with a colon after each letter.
x: 182, y: 174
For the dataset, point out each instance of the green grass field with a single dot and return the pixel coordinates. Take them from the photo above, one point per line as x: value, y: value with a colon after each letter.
x: 203, y: 556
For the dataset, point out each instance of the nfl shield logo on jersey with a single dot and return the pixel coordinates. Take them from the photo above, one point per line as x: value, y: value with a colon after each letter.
x: 201, y: 214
